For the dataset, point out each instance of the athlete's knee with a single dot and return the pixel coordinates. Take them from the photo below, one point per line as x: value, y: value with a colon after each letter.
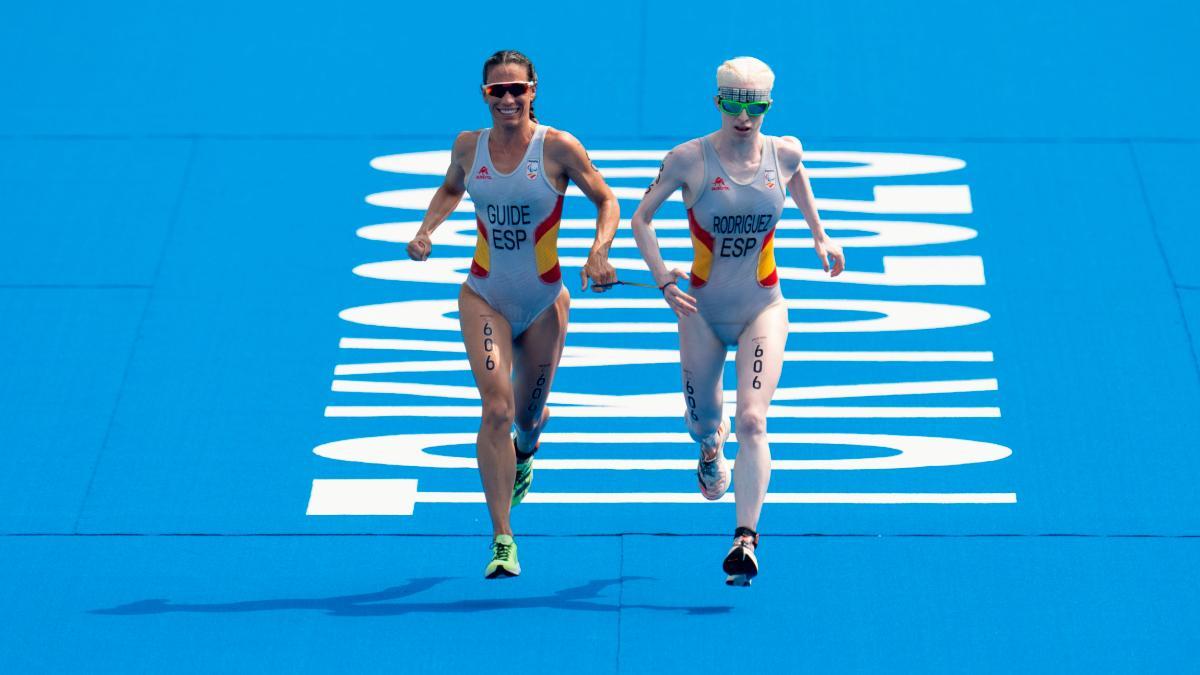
x: 498, y: 413
x: 751, y: 424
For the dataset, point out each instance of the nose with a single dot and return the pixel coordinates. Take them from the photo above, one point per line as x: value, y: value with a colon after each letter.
x: 508, y: 98
x: 743, y: 117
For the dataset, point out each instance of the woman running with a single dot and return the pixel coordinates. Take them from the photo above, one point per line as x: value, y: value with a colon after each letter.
x: 513, y: 306
x: 734, y: 183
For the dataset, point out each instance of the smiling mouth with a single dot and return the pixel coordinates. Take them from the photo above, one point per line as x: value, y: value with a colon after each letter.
x: 508, y: 112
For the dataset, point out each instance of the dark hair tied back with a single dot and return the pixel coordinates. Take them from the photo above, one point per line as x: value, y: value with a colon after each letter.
x: 511, y: 56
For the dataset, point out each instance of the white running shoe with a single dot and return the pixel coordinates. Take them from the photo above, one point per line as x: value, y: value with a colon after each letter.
x: 713, y: 473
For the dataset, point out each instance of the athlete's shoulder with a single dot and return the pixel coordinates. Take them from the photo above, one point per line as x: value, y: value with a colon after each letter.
x: 465, y: 142
x: 789, y: 150
x: 558, y: 141
x: 469, y: 137
x: 562, y: 147
x: 691, y: 148
x: 684, y: 155
x: 462, y: 153
x: 789, y: 144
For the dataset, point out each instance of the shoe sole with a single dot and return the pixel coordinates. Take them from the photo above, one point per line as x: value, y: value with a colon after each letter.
x: 740, y: 570
x: 502, y: 573
x: 704, y: 493
x: 744, y: 566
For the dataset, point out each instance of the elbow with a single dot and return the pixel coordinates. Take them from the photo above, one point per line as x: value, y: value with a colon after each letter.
x: 607, y: 203
x: 638, y: 223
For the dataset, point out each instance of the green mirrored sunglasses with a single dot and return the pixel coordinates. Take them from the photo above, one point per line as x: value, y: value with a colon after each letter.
x: 752, y: 108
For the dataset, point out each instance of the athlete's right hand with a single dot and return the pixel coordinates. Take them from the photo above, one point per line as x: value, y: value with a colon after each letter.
x: 419, y: 247
x: 681, y: 303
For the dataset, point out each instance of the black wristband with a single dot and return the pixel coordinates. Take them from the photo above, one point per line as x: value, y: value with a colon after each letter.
x: 663, y: 288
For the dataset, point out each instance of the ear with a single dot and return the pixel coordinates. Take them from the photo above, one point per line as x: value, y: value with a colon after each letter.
x: 483, y: 94
x: 533, y: 91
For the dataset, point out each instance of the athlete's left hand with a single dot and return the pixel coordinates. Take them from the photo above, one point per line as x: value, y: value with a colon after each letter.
x: 599, y: 271
x: 826, y: 250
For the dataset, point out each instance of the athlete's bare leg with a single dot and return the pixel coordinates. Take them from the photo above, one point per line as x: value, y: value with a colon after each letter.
x: 536, y: 355
x: 759, y: 363
x: 702, y: 356
x: 488, y: 338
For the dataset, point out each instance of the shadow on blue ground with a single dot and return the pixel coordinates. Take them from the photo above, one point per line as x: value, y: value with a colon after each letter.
x: 579, y: 598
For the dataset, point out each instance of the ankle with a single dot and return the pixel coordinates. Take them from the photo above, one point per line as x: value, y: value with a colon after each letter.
x: 746, y: 535
x: 525, y: 441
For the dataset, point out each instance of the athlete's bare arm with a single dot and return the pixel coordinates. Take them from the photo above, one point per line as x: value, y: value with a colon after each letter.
x: 682, y: 168
x: 790, y: 155
x: 448, y: 195
x: 567, y: 152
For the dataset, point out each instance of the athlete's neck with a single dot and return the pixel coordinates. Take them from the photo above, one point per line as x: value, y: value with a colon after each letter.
x: 738, y: 148
x: 517, y: 135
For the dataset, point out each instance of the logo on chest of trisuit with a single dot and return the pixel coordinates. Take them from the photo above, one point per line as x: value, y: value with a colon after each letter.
x: 483, y: 174
x: 508, y: 225
x: 770, y: 176
x: 719, y: 184
x: 532, y: 167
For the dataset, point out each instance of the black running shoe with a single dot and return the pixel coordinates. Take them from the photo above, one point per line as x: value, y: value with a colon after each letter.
x: 741, y: 564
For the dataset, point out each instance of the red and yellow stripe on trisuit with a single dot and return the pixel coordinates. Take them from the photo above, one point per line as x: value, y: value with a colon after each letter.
x: 481, y: 264
x: 767, y: 274
x: 545, y: 245
x: 702, y: 247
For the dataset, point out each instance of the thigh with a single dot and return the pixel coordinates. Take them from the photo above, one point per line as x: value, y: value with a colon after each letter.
x: 702, y: 358
x: 536, y: 355
x: 759, y: 360
x: 488, y: 338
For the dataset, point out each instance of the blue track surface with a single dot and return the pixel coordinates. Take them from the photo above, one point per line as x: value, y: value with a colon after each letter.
x: 208, y: 450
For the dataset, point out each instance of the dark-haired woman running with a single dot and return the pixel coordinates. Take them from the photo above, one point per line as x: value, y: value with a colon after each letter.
x: 513, y: 306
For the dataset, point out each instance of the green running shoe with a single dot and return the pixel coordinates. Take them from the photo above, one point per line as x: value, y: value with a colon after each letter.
x: 524, y: 477
x: 504, y: 558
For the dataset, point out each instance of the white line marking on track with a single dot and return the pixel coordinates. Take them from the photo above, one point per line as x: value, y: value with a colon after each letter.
x: 399, y: 497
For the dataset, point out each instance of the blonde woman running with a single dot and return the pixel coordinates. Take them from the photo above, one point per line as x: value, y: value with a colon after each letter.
x: 734, y: 183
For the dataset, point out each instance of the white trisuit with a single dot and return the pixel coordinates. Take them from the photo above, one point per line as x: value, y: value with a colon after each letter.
x: 515, y: 268
x: 736, y: 286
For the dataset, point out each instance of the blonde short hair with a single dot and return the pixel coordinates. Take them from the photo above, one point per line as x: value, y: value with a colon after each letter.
x: 745, y: 72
